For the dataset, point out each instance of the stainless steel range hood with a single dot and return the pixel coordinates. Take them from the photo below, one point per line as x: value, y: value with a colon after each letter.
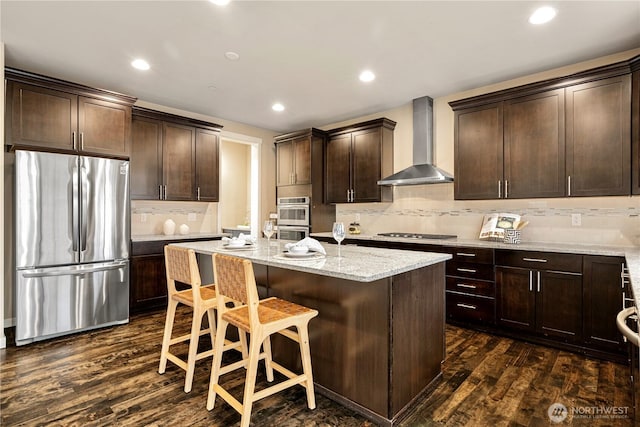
x: 423, y: 170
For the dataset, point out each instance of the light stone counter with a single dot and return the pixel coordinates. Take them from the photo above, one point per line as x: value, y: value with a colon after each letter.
x: 632, y: 255
x: 158, y: 237
x: 361, y: 264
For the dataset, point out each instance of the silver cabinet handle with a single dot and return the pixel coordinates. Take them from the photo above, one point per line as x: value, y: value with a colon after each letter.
x: 73, y: 139
x: 530, y: 281
x: 538, y: 281
x: 506, y: 188
x: 160, y: 192
x: 165, y: 192
x: 464, y: 285
x: 569, y: 185
x: 198, y: 193
x: 353, y: 194
x: 469, y: 306
x: 466, y: 270
x: 534, y: 259
x: 348, y: 196
x: 499, y: 189
x: 82, y: 141
x: 465, y: 254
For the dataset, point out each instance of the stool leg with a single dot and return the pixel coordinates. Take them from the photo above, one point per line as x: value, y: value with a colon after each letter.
x: 196, y: 324
x: 211, y: 315
x: 250, y: 380
x: 267, y: 358
x: 168, y: 327
x: 305, y: 355
x: 221, y: 331
x: 242, y: 335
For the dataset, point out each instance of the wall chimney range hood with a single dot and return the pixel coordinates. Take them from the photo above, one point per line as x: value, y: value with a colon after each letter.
x: 423, y: 170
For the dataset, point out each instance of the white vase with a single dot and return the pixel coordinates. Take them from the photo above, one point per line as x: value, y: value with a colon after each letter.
x: 169, y: 227
x: 184, y: 229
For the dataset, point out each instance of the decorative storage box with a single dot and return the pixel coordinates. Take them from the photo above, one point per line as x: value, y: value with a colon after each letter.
x: 512, y: 236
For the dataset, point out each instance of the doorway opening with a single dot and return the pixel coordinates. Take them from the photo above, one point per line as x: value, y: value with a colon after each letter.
x: 239, y: 205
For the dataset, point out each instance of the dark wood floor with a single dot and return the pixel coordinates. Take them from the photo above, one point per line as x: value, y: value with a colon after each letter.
x: 109, y: 377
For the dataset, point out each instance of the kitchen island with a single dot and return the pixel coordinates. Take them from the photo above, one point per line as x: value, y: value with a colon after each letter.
x: 378, y: 342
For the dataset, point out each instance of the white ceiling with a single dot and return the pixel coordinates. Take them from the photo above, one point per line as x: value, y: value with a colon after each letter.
x: 304, y: 54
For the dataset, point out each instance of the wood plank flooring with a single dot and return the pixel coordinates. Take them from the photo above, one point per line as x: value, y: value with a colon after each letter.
x: 109, y: 377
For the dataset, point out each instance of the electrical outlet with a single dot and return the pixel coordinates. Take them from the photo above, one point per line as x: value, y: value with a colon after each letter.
x: 191, y: 216
x: 357, y: 217
x: 143, y: 217
x: 576, y: 220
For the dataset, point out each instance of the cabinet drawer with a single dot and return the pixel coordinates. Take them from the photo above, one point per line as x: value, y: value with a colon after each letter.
x: 470, y: 286
x: 540, y: 260
x: 470, y: 270
x: 470, y: 308
x: 477, y: 255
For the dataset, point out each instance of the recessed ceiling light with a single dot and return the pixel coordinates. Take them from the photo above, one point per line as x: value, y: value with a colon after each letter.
x: 231, y: 56
x: 140, y: 64
x: 277, y: 107
x: 542, y: 15
x: 367, y: 76
x: 220, y: 2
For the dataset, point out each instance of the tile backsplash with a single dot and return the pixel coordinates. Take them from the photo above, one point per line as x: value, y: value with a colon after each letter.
x: 431, y: 209
x: 148, y: 216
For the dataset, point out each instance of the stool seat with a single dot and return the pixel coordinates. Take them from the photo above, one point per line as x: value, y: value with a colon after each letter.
x: 207, y: 295
x: 270, y: 310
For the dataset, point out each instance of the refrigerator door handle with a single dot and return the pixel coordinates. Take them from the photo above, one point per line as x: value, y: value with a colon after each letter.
x: 74, y: 212
x: 84, y: 198
x: 80, y: 272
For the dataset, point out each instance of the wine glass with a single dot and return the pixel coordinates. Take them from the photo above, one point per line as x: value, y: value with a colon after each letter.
x: 338, y: 234
x: 267, y: 229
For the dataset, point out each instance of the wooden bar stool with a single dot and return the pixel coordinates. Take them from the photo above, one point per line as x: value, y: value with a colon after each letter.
x: 235, y: 281
x: 181, y: 266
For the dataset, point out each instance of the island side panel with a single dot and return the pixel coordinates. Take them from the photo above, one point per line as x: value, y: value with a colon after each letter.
x: 417, y: 340
x: 349, y: 339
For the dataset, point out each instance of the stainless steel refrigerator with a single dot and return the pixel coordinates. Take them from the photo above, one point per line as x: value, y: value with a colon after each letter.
x: 72, y: 244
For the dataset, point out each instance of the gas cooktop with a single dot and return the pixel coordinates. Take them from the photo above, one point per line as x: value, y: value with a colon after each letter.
x: 418, y: 235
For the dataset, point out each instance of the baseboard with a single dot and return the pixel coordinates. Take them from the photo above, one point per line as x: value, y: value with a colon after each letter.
x: 3, y: 342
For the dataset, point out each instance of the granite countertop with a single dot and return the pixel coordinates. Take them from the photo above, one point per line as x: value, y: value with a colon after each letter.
x: 361, y: 264
x: 159, y: 237
x: 631, y: 255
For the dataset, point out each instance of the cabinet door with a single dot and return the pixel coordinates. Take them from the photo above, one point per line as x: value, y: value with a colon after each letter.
x: 148, y: 282
x: 478, y: 153
x: 599, y: 137
x: 105, y: 127
x: 559, y: 305
x: 302, y: 161
x: 146, y: 159
x: 602, y: 296
x: 178, y: 161
x: 41, y: 117
x: 534, y: 149
x: 284, y: 163
x: 516, y: 298
x: 207, y: 165
x: 635, y: 136
x: 338, y: 169
x: 366, y: 160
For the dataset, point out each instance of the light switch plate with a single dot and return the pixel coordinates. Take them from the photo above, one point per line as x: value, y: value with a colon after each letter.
x: 576, y: 220
x: 143, y: 217
x: 191, y: 216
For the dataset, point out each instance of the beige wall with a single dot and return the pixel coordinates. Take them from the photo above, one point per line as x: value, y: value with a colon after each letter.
x: 432, y: 209
x: 3, y: 279
x: 235, y: 164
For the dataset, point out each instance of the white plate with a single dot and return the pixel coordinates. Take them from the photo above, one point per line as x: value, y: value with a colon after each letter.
x: 304, y: 255
x: 238, y: 248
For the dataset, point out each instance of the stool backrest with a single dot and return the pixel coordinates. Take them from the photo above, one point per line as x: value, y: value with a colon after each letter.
x: 235, y: 280
x: 182, y: 266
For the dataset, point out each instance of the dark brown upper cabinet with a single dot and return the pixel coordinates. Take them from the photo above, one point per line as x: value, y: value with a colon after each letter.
x: 173, y: 157
x: 357, y: 156
x: 56, y: 115
x: 635, y: 127
x: 599, y: 138
x: 294, y: 159
x: 479, y: 161
x: 568, y: 136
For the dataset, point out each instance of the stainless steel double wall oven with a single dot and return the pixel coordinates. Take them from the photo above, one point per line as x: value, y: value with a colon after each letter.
x: 294, y: 217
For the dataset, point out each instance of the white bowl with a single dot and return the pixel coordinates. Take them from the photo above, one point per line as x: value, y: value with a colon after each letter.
x: 236, y: 244
x: 299, y: 249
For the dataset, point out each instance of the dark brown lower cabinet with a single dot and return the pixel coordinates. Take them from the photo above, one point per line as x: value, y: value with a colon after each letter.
x: 602, y: 295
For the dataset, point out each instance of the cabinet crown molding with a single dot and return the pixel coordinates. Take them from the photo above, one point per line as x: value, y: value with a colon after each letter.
x: 34, y: 79
x: 381, y: 122
x: 173, y: 118
x: 593, y: 74
x: 299, y: 134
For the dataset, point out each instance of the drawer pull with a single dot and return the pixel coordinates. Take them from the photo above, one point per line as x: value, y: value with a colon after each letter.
x: 465, y: 254
x: 534, y: 259
x: 470, y: 307
x: 466, y: 270
x: 464, y: 285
